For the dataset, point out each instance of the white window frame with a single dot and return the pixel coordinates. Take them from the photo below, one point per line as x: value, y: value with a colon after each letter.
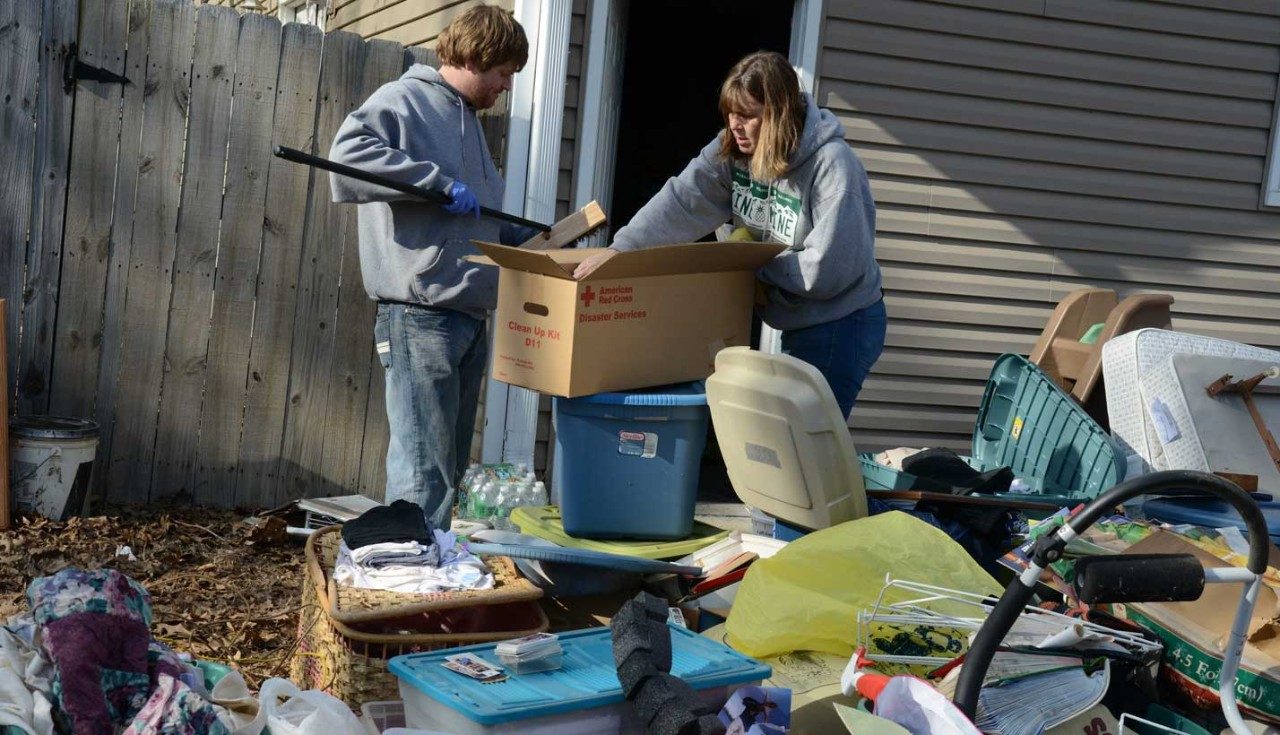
x: 311, y: 12
x: 531, y: 167
x: 1271, y: 184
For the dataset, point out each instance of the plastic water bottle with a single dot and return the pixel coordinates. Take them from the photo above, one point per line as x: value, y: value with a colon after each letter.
x: 539, y: 494
x: 502, y: 506
x: 483, y: 503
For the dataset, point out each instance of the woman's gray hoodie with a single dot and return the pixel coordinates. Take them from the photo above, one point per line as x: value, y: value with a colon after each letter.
x: 821, y: 209
x: 419, y: 130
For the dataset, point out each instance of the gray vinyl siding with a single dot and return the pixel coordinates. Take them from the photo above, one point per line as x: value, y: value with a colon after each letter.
x: 410, y: 22
x: 572, y: 106
x: 1019, y: 149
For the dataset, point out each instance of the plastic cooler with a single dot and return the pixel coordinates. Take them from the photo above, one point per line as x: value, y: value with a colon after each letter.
x: 1027, y: 423
x: 583, y: 697
x: 626, y: 464
x: 1210, y: 513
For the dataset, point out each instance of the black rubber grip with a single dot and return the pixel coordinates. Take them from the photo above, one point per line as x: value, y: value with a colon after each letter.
x: 1139, y: 578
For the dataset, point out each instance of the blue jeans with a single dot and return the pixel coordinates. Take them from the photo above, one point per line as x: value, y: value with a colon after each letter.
x: 434, y: 361
x: 843, y: 350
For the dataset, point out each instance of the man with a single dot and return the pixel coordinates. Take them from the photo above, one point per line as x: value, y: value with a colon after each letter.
x: 430, y: 331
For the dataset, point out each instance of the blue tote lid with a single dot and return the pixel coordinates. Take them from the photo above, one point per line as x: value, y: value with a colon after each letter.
x: 587, y: 679
x: 680, y: 394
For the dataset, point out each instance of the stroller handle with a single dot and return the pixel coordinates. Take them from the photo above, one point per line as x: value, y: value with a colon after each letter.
x: 1048, y: 549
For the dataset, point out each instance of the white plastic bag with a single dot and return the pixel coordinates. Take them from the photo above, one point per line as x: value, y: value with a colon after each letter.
x: 237, y: 708
x: 291, y: 711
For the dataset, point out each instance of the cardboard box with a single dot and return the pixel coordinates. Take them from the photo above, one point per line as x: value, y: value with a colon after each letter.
x: 643, y: 318
x: 1193, y: 634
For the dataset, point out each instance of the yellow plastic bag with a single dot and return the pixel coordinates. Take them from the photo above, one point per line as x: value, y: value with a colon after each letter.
x: 807, y: 596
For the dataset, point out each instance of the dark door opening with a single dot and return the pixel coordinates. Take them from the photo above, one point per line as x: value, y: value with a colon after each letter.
x: 677, y: 54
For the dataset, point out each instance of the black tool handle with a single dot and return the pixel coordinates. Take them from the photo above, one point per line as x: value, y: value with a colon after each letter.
x: 297, y: 156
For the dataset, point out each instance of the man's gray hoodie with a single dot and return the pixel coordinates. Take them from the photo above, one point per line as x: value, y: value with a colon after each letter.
x: 821, y: 209
x: 419, y: 130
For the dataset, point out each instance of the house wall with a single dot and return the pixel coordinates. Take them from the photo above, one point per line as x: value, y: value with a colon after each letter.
x: 1019, y: 149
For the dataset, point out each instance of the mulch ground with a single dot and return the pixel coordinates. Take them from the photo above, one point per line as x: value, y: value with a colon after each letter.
x: 217, y: 593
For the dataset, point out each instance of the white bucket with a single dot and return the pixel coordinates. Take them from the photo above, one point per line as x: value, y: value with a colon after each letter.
x: 50, y: 462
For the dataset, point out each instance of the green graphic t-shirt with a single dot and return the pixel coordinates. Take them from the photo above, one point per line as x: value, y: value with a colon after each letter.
x: 769, y: 213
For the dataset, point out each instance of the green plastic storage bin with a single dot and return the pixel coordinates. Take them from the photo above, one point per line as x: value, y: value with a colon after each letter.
x: 1027, y: 423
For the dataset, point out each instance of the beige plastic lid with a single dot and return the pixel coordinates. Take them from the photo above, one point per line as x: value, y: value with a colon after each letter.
x: 786, y: 447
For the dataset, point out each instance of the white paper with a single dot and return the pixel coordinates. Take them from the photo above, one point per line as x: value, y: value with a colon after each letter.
x: 1166, y: 426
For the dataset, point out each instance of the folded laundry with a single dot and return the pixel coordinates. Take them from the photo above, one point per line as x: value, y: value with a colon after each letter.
x: 454, y: 568
x: 375, y: 556
x: 396, y: 523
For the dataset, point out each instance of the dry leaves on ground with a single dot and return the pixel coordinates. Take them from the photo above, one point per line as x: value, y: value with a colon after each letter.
x: 216, y: 594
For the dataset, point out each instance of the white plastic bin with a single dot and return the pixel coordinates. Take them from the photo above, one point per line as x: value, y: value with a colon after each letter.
x: 51, y: 458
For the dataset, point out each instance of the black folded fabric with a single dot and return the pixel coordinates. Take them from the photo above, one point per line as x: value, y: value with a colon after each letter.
x: 943, y: 471
x: 642, y: 653
x: 396, y: 523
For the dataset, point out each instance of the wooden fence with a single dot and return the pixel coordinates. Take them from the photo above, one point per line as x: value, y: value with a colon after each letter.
x: 167, y: 276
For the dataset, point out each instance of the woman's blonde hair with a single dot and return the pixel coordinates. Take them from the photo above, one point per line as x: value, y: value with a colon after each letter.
x: 486, y: 36
x: 768, y: 79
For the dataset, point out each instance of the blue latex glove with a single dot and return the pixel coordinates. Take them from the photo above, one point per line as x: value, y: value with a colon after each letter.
x: 464, y: 200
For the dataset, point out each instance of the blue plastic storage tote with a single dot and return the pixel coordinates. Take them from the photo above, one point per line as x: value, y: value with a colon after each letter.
x: 1210, y: 513
x: 582, y: 696
x: 626, y: 464
x: 1027, y: 423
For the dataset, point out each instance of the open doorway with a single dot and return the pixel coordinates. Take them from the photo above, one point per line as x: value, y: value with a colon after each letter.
x: 677, y: 54
x: 675, y: 57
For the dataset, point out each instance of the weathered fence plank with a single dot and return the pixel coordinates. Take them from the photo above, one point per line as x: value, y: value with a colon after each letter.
x: 248, y: 157
x: 353, y: 328
x: 95, y: 140
x: 195, y: 251
x: 19, y: 75
x: 309, y: 368
x: 283, y: 228
x: 149, y: 281
x: 137, y: 50
x: 44, y: 246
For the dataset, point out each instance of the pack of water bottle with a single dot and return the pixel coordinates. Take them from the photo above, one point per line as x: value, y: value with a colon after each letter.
x: 490, y: 492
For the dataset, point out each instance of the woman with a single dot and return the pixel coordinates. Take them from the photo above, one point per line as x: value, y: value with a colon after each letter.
x: 781, y: 171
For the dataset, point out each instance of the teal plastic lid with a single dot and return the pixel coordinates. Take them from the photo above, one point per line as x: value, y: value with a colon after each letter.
x: 586, y: 680
x: 1027, y: 423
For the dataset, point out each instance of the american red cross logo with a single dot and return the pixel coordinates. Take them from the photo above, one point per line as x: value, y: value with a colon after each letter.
x: 587, y: 297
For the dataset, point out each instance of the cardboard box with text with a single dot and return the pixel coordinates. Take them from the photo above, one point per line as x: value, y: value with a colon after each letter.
x: 643, y: 318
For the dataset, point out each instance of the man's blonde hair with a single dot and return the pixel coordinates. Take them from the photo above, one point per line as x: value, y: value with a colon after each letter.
x: 486, y: 36
x: 767, y: 78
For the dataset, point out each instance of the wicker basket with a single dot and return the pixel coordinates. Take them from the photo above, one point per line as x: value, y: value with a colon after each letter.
x: 346, y: 636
